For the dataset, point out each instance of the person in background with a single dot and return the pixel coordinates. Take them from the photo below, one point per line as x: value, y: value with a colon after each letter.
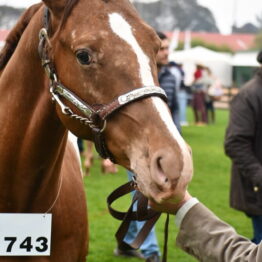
x: 80, y: 145
x: 86, y: 151
x: 181, y: 89
x: 198, y: 100
x: 243, y: 144
x: 209, y: 102
x: 167, y: 79
x: 214, y: 92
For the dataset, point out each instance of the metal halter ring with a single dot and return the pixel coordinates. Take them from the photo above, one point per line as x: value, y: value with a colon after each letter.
x: 43, y: 35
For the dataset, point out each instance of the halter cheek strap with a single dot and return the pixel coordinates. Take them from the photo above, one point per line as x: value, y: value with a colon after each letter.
x: 96, y: 119
x: 93, y: 116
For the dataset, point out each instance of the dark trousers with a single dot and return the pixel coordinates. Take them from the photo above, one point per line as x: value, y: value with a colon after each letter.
x: 257, y: 227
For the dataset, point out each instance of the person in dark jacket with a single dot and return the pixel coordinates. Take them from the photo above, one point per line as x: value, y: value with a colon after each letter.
x: 167, y: 80
x: 243, y: 144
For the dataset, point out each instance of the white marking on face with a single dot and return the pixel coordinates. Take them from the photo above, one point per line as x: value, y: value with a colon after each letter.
x: 73, y: 34
x: 162, y: 109
x: 73, y: 139
x: 123, y: 29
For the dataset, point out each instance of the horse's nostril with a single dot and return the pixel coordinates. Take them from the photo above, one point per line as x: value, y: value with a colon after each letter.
x: 158, y: 161
x: 166, y: 168
x: 160, y: 169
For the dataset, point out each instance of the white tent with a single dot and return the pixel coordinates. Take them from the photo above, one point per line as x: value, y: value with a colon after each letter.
x: 245, y: 59
x: 144, y: 1
x: 219, y: 63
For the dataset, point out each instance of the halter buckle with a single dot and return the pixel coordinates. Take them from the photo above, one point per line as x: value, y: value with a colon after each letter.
x: 50, y: 73
x: 43, y: 35
x: 65, y: 109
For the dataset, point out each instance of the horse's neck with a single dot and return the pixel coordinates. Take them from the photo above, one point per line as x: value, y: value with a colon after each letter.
x: 32, y: 139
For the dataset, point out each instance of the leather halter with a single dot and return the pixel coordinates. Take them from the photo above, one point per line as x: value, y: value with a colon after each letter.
x: 94, y: 117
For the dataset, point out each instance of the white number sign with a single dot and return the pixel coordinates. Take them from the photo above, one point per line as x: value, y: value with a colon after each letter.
x: 25, y: 234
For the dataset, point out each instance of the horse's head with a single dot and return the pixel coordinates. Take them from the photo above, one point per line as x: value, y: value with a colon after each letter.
x: 101, y: 50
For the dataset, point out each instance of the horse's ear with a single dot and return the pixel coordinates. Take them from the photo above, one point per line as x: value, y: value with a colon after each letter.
x: 55, y: 6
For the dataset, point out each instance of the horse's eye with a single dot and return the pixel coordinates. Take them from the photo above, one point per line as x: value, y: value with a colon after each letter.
x: 83, y: 57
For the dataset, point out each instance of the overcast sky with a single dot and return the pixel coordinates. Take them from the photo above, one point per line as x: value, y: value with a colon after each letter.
x: 225, y: 11
x: 228, y: 11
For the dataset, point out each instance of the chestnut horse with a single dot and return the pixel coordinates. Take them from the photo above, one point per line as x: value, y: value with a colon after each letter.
x: 100, y: 82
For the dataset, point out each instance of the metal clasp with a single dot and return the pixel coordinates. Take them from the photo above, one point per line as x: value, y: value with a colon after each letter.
x: 134, y: 182
x: 97, y: 128
x: 65, y: 109
x: 43, y: 35
x: 50, y: 73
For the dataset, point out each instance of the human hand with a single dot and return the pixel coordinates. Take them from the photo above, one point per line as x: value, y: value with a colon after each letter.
x: 168, y: 206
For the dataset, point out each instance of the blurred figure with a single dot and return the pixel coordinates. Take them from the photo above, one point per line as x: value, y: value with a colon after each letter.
x: 198, y: 100
x: 243, y: 144
x: 181, y: 89
x: 167, y: 79
x: 80, y: 145
x: 213, y: 92
x: 86, y: 150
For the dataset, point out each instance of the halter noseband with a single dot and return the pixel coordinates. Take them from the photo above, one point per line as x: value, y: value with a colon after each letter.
x: 93, y: 117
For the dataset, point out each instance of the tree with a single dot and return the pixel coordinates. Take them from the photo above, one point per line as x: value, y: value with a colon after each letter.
x: 199, y: 42
x: 258, y: 40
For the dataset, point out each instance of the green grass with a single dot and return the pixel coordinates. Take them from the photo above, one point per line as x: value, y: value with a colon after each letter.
x: 210, y: 185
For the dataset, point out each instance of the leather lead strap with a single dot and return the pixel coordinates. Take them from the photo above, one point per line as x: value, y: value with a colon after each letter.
x: 164, y: 259
x: 100, y: 145
x: 140, y: 238
x: 46, y: 19
x: 142, y: 214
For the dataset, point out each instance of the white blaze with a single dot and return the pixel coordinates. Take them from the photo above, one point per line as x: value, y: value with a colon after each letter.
x: 166, y: 117
x: 123, y: 29
x: 73, y: 139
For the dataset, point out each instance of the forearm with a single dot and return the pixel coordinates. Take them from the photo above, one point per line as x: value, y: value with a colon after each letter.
x: 209, y: 239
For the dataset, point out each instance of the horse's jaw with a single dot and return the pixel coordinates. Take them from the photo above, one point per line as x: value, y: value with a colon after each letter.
x: 162, y: 175
x: 160, y: 158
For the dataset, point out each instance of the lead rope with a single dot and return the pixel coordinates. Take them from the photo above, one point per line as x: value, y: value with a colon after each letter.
x: 57, y: 195
x: 142, y: 214
x: 164, y: 259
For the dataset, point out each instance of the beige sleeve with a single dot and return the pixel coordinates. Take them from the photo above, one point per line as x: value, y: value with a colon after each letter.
x: 209, y: 239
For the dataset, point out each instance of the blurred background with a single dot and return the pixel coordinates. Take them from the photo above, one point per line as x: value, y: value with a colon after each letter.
x: 223, y: 35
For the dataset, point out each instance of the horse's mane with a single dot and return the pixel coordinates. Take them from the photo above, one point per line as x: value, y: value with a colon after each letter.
x: 15, y: 35
x: 68, y: 8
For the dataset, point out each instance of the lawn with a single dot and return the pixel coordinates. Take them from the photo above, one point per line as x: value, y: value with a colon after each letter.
x: 210, y: 185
